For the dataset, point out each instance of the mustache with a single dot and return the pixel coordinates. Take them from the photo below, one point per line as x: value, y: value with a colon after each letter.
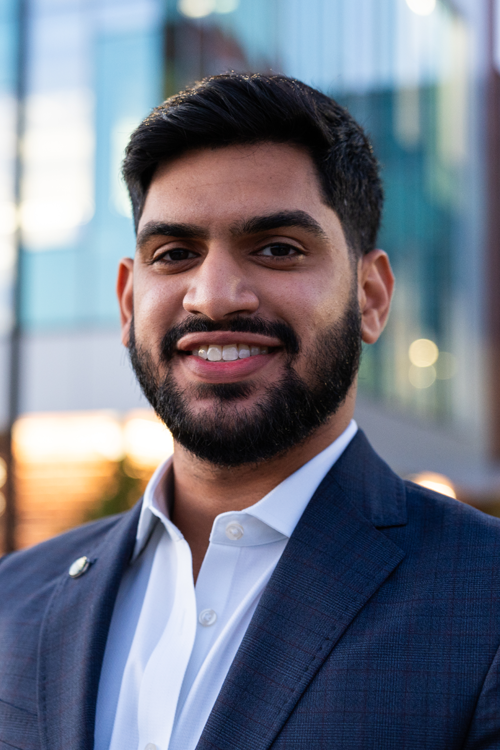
x: 238, y: 324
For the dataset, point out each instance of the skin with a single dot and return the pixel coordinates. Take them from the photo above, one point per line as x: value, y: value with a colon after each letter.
x: 228, y: 268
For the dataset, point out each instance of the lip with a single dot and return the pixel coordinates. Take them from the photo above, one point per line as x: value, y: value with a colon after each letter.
x: 195, y: 340
x: 226, y: 372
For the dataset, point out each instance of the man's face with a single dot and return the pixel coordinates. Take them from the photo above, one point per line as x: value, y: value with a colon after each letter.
x: 244, y: 301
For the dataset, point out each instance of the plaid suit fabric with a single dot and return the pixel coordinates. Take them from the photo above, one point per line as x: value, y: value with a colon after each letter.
x: 379, y: 628
x: 410, y: 670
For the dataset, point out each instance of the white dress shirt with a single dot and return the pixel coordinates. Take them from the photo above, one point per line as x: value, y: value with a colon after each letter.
x: 171, y: 643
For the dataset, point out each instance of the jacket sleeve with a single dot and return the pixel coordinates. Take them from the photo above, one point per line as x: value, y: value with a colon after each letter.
x: 484, y: 731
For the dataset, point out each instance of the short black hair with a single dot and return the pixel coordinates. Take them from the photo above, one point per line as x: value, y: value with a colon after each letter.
x: 232, y: 108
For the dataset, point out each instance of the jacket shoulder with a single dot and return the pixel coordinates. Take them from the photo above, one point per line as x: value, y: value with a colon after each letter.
x: 427, y: 502
x: 388, y: 501
x: 447, y: 522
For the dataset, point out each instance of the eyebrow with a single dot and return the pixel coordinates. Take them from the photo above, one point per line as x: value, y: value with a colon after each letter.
x: 167, y: 229
x: 255, y: 225
x: 298, y: 219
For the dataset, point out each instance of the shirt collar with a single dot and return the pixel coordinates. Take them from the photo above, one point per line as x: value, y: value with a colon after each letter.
x: 283, y: 506
x: 280, y: 509
x: 154, y: 508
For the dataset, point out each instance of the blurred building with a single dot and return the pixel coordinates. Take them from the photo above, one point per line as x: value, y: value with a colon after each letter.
x: 76, y: 76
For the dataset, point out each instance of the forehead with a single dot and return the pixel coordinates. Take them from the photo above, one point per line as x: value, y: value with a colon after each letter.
x: 235, y: 182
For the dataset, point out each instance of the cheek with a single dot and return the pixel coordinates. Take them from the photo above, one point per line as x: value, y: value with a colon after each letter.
x: 310, y: 303
x: 156, y: 308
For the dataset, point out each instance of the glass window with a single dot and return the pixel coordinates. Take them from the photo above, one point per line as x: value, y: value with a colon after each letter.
x: 93, y: 74
x: 8, y: 124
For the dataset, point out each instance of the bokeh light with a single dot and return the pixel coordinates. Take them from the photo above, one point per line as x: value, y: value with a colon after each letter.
x: 66, y: 463
x: 423, y: 353
x: 422, y: 377
x: 203, y: 8
x: 3, y: 472
x: 422, y: 7
x: 196, y: 8
x: 435, y: 482
x: 147, y: 441
x: 68, y: 437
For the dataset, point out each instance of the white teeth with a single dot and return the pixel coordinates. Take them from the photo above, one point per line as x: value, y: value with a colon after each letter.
x: 228, y: 353
x: 214, y: 353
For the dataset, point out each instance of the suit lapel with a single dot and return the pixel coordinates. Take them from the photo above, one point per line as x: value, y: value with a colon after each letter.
x: 334, y: 562
x: 73, y: 640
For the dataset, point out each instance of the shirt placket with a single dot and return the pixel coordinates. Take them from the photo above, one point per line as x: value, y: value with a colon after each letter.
x: 169, y: 660
x: 212, y: 591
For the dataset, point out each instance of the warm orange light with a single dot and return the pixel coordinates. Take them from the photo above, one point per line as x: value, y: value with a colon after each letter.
x: 147, y: 442
x: 3, y: 472
x: 435, y: 482
x: 57, y: 438
x: 66, y: 463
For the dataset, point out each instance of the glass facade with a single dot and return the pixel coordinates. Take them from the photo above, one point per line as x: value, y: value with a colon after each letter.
x: 8, y: 127
x: 93, y: 72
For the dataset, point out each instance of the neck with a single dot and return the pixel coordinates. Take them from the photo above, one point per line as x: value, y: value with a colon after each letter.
x: 202, y: 491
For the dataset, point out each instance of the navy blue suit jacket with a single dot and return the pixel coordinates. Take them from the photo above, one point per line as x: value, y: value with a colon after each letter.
x: 379, y: 628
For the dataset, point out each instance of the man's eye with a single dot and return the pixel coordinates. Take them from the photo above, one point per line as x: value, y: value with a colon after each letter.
x: 279, y: 251
x: 178, y: 254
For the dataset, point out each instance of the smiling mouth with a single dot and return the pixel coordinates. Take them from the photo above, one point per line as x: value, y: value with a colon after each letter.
x: 230, y: 352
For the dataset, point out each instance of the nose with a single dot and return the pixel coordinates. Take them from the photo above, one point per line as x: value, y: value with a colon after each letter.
x: 219, y: 288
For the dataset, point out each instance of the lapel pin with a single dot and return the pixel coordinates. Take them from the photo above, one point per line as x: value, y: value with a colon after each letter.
x: 79, y: 567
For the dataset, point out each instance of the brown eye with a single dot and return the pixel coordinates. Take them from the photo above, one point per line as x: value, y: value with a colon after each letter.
x: 279, y: 251
x: 177, y: 255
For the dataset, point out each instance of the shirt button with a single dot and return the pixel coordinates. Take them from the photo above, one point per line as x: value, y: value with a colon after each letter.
x: 150, y: 746
x: 207, y: 617
x: 234, y: 531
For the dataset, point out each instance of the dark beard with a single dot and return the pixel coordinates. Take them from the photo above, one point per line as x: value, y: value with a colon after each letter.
x: 288, y: 412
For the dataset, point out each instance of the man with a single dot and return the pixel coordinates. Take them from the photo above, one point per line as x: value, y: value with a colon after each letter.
x: 278, y: 586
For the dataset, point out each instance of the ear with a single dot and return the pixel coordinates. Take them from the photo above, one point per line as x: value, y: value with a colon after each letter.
x: 375, y: 288
x: 125, y: 293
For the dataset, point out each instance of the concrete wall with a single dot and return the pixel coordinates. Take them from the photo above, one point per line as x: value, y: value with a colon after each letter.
x: 79, y: 370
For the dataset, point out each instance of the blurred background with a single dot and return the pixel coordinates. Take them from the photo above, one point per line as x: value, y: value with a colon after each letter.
x: 77, y: 439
